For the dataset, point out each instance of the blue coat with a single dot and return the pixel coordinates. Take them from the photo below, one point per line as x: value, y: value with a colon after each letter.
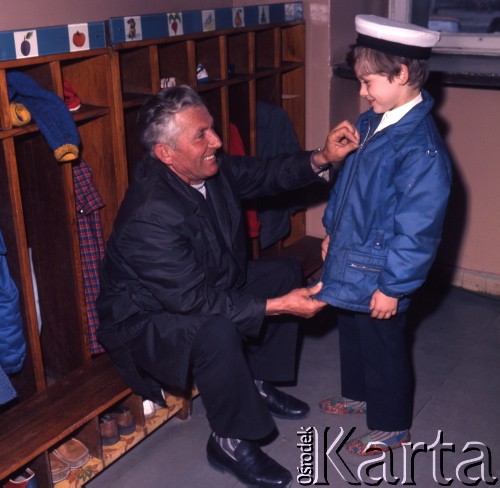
x: 12, y: 341
x: 386, y: 211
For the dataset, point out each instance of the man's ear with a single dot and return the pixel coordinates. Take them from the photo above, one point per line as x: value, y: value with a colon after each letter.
x: 164, y: 153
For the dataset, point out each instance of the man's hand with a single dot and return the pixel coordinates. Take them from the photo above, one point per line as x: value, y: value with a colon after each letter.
x: 297, y: 302
x: 341, y: 140
x: 382, y: 306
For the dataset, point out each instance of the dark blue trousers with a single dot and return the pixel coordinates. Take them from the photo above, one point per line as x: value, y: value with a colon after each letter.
x: 376, y: 368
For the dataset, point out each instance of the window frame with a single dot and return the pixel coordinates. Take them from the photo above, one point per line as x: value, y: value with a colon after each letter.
x: 451, y: 43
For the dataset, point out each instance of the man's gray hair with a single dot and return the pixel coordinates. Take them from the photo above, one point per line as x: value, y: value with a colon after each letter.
x: 156, y: 120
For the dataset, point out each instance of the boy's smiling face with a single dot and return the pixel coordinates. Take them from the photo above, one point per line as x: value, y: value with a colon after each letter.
x: 384, y: 94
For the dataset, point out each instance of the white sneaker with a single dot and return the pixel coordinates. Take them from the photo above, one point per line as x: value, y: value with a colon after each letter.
x: 149, y: 409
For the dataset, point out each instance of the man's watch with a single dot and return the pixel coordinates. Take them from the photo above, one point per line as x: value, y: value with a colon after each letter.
x: 319, y: 167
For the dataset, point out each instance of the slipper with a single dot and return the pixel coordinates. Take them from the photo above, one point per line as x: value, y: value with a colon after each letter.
x: 368, y: 446
x: 73, y: 452
x: 59, y: 468
x: 338, y: 406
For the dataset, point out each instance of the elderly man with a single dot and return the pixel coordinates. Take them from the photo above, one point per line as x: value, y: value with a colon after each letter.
x: 180, y: 304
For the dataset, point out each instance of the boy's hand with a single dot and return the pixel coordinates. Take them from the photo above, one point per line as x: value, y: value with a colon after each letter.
x: 382, y: 306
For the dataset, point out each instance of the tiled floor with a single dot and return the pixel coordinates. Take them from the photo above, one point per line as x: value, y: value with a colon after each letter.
x: 456, y: 417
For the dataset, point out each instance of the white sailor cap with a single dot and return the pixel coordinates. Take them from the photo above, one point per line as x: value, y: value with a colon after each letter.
x: 394, y: 37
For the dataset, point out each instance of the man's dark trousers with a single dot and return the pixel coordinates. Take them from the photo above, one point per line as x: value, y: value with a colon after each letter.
x: 225, y: 363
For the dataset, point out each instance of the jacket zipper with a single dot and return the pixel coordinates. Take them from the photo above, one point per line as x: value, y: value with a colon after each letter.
x: 351, y: 177
x: 363, y: 267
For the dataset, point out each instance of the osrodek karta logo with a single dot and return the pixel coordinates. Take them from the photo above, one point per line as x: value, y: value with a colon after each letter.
x: 319, y: 453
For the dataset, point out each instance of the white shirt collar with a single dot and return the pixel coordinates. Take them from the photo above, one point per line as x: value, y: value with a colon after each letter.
x: 201, y: 188
x: 392, y: 116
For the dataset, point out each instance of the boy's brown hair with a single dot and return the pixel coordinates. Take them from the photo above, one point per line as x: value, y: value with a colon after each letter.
x: 366, y: 61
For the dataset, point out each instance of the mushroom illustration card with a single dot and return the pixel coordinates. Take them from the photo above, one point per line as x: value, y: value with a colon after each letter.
x: 175, y: 27
x: 26, y: 44
x: 78, y: 37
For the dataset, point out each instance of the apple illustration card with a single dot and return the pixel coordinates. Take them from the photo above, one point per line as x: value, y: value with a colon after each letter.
x: 78, y: 35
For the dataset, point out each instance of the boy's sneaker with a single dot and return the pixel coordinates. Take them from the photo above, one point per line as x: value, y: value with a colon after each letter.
x: 342, y: 406
x: 376, y: 441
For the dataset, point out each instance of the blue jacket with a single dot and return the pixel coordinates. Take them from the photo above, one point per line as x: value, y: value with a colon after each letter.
x: 386, y: 211
x: 12, y: 341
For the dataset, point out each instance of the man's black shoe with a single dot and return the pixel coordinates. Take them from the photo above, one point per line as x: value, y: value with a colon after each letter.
x: 283, y: 405
x: 252, y: 467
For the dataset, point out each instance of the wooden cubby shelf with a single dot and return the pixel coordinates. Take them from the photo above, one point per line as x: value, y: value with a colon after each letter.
x: 65, y: 386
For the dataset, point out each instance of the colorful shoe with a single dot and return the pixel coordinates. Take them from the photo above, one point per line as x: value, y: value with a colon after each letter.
x: 370, y: 444
x: 339, y: 406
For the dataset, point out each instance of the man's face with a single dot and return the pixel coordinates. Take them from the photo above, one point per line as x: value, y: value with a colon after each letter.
x: 194, y: 158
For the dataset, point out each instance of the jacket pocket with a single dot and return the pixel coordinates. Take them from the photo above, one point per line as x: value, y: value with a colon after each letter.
x: 360, y: 278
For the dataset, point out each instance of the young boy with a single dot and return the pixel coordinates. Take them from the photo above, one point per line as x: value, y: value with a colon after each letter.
x: 383, y: 224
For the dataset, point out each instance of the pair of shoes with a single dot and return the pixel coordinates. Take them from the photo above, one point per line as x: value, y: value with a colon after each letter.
x: 73, y: 452
x: 108, y: 429
x: 70, y: 455
x: 283, y: 405
x: 22, y: 479
x: 60, y: 469
x: 251, y: 465
x: 114, y: 423
x: 124, y: 419
x: 339, y: 406
x: 368, y: 445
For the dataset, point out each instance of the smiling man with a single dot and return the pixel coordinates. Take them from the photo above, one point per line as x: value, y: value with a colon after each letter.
x: 179, y: 303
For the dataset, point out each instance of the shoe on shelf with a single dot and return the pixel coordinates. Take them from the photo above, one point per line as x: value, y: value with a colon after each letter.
x: 108, y: 429
x: 73, y: 452
x: 283, y: 405
x: 124, y: 419
x: 372, y: 443
x: 251, y: 465
x: 340, y: 406
x: 149, y: 409
x: 70, y: 99
x: 22, y: 479
x: 59, y: 468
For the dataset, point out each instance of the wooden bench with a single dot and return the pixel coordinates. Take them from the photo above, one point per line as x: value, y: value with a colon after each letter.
x: 39, y: 423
